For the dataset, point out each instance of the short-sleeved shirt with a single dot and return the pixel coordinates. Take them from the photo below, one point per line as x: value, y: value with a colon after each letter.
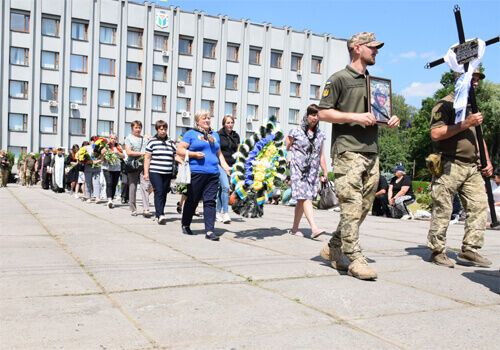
x: 382, y: 184
x: 208, y: 164
x: 462, y: 146
x: 136, y: 143
x: 396, y: 186
x: 346, y: 91
x: 162, y: 155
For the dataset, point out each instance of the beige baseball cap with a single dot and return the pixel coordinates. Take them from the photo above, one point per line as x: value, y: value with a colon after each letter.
x: 364, y: 38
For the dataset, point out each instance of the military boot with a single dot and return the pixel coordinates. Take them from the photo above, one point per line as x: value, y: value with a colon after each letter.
x: 334, y: 255
x: 441, y: 259
x: 359, y: 268
x: 474, y: 258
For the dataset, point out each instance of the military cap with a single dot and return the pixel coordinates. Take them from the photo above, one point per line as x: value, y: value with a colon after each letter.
x: 364, y: 38
x: 479, y: 74
x: 381, y: 90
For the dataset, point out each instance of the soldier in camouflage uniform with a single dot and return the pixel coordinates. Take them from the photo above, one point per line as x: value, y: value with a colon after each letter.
x: 20, y: 169
x: 355, y: 155
x: 30, y: 169
x: 460, y: 174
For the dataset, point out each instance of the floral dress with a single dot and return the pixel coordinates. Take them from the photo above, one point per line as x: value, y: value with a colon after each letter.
x: 305, y: 163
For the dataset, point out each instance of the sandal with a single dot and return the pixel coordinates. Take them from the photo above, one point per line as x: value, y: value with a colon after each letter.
x: 296, y: 233
x: 317, y: 234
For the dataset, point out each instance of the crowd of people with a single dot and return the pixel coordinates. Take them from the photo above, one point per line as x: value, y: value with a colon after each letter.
x: 149, y: 164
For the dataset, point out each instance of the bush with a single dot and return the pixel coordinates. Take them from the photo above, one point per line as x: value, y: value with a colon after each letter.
x: 425, y: 201
x: 420, y: 186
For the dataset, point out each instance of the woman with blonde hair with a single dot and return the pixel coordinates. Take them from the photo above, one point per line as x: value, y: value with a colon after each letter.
x: 202, y: 145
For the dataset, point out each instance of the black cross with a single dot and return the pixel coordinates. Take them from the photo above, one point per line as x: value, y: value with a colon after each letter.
x: 473, y: 104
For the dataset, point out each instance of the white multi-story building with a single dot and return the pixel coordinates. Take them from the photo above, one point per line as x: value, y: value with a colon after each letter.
x: 70, y: 69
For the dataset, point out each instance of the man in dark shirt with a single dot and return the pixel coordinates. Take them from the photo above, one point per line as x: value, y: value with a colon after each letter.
x: 380, y: 204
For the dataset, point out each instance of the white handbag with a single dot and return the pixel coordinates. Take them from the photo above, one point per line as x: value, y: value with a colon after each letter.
x: 184, y: 172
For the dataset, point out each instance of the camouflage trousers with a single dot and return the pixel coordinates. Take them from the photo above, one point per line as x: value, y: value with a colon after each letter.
x: 30, y: 177
x: 4, y: 176
x: 468, y: 183
x: 22, y: 177
x: 356, y: 181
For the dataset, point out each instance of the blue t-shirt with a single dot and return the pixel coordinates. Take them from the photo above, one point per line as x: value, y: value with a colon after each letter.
x: 210, y: 163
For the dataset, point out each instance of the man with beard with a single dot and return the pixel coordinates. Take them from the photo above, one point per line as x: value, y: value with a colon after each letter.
x: 355, y: 154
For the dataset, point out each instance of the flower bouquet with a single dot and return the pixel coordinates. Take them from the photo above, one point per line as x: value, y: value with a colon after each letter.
x: 82, y: 155
x: 111, y: 156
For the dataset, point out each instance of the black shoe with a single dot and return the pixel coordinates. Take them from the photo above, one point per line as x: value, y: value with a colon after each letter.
x: 179, y: 208
x: 187, y: 231
x: 211, y: 236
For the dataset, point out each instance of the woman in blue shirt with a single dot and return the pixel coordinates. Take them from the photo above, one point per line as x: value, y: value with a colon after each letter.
x: 202, y: 145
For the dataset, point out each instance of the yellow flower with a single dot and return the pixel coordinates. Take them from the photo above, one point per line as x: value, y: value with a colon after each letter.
x: 257, y: 185
x: 259, y: 176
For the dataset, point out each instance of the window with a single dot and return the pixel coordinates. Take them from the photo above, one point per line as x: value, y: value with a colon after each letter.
x: 159, y: 73
x: 104, y: 128
x: 253, y: 84
x: 19, y: 56
x: 231, y: 82
x: 106, y: 66
x: 50, y: 26
x: 132, y: 100
x: 134, y: 70
x: 208, y: 79
x: 208, y: 105
x: 274, y: 87
x: 276, y: 57
x: 77, y: 126
x: 296, y: 63
x: 293, y: 116
x: 18, y: 122
x: 209, y: 49
x: 78, y: 95
x: 252, y: 111
x: 159, y: 103
x: 314, y: 92
x: 233, y: 51
x: 295, y: 89
x: 79, y: 31
x: 107, y: 35
x: 48, y: 124
x: 18, y: 89
x: 134, y: 38
x: 185, y: 46
x: 160, y: 42
x: 230, y: 108
x: 184, y: 75
x: 17, y: 150
x: 50, y: 60
x: 255, y: 55
x: 274, y: 111
x: 105, y: 98
x: 183, y: 104
x: 78, y: 63
x: 316, y: 64
x: 48, y: 92
x: 20, y: 22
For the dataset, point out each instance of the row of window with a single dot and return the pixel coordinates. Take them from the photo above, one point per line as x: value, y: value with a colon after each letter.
x: 107, y: 35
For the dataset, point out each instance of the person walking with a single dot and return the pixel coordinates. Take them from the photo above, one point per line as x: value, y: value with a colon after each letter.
x: 307, y: 156
x: 354, y: 152
x: 92, y: 173
x: 158, y: 167
x: 44, y: 168
x: 135, y: 146
x: 457, y: 145
x: 72, y: 168
x: 229, y: 141
x: 30, y: 169
x: 202, y: 145
x: 111, y: 170
x: 4, y: 168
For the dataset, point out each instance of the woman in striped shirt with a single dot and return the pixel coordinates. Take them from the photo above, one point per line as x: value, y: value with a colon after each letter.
x: 158, y: 166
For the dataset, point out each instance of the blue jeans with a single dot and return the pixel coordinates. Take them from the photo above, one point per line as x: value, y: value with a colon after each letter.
x: 223, y: 193
x: 206, y: 186
x: 161, y: 186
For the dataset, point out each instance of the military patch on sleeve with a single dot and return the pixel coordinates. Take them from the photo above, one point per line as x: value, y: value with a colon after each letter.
x: 326, y: 91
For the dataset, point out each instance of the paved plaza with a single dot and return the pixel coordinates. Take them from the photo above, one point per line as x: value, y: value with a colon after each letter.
x: 81, y: 276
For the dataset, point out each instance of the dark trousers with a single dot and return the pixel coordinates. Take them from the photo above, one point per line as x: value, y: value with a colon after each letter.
x: 124, y: 186
x: 202, y: 186
x: 381, y: 206
x: 111, y: 178
x: 46, y: 180
x: 161, y: 186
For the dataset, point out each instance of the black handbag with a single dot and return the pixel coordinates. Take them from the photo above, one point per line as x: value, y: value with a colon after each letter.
x: 133, y: 165
x: 327, y: 197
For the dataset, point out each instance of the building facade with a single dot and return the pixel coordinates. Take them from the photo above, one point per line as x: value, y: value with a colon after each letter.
x: 75, y: 68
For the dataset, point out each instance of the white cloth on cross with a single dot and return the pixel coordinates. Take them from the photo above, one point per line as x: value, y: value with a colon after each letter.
x: 462, y: 85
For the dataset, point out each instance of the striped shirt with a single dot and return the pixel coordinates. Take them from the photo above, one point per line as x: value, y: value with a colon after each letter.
x: 162, y: 155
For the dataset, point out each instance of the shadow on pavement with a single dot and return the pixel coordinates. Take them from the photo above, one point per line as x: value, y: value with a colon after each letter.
x: 425, y: 253
x: 489, y: 279
x: 260, y: 233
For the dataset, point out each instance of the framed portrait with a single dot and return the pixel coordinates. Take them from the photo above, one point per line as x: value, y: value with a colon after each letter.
x: 380, y: 95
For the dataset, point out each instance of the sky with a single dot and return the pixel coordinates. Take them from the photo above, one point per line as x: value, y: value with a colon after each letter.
x: 414, y: 32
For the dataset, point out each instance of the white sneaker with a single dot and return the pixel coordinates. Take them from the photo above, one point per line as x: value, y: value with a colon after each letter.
x: 218, y: 217
x: 77, y: 195
x: 226, y: 218
x: 162, y: 220
x: 406, y: 217
x: 134, y: 213
x: 110, y: 204
x: 88, y: 200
